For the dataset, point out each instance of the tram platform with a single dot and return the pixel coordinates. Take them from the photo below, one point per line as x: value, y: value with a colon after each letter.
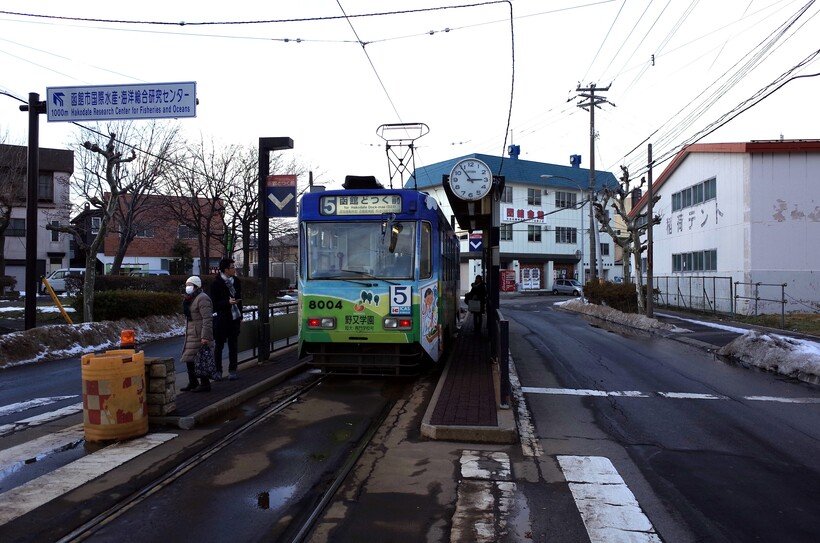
x: 254, y: 378
x: 464, y: 405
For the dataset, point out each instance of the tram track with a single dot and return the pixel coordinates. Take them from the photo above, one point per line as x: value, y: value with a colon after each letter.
x: 90, y: 527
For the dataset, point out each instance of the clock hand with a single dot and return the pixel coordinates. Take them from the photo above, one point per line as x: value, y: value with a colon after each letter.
x: 470, y: 179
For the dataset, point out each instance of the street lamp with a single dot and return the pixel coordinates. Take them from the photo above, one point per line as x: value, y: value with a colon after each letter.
x: 583, y: 203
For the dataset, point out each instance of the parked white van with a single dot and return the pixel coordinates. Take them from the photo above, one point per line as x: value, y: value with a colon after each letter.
x: 57, y: 278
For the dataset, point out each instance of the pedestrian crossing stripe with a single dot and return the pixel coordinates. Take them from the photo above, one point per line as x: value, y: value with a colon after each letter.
x: 10, y: 409
x: 29, y: 496
x: 669, y: 395
x: 14, y: 458
x: 37, y: 420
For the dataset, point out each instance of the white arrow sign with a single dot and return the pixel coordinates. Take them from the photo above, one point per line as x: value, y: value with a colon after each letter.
x: 475, y: 244
x: 280, y: 203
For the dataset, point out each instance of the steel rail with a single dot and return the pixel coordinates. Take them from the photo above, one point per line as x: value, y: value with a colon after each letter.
x: 91, y: 526
x: 341, y: 475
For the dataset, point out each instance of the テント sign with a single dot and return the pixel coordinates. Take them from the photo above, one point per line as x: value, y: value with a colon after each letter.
x: 112, y: 102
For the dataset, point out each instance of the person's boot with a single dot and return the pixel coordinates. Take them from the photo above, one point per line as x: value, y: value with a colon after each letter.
x: 190, y: 387
x: 204, y: 386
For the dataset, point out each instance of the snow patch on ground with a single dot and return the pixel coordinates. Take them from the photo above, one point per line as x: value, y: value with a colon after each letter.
x: 793, y: 357
x: 67, y: 340
x: 607, y: 313
x: 781, y: 354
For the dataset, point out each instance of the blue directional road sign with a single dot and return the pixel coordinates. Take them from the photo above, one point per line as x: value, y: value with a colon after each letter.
x: 280, y: 197
x: 110, y: 102
x: 475, y: 243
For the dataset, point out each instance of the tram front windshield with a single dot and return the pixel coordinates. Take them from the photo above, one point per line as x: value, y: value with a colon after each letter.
x: 347, y: 250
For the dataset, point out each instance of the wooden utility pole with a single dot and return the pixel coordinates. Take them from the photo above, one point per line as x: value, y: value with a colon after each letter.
x: 592, y: 101
x: 649, y: 259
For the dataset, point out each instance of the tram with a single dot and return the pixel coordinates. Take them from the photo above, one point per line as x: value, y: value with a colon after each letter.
x: 378, y: 279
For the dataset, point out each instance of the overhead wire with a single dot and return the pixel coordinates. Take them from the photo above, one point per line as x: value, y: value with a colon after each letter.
x: 756, y: 54
x: 628, y: 35
x: 663, y: 10
x: 594, y: 58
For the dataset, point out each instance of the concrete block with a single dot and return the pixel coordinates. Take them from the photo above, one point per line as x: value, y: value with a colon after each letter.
x: 156, y: 386
x: 158, y: 370
x: 155, y: 399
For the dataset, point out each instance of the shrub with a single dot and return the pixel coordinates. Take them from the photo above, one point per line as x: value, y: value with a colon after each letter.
x: 176, y: 284
x: 113, y: 305
x: 620, y: 296
x: 7, y: 281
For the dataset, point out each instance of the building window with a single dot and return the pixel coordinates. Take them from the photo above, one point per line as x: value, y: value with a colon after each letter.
x: 605, y: 249
x: 96, y: 223
x: 144, y: 233
x: 694, y: 195
x: 45, y: 187
x: 55, y: 235
x: 505, y: 232
x: 506, y: 197
x: 566, y: 235
x: 534, y: 197
x: 426, y: 264
x: 695, y: 261
x: 533, y: 232
x: 186, y: 232
x: 16, y: 228
x: 565, y: 199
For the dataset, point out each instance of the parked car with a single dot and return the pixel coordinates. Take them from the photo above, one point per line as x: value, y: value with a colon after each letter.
x: 567, y: 286
x: 145, y: 273
x: 57, y: 278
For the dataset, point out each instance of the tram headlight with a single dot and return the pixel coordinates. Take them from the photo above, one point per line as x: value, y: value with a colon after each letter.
x: 321, y: 323
x: 398, y: 323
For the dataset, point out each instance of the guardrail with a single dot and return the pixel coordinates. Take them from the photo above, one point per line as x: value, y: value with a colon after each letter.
x: 500, y: 350
x: 710, y: 294
x: 283, y: 320
x: 757, y: 298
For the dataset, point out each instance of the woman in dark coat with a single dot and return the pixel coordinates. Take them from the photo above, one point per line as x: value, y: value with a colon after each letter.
x: 478, y: 291
x: 226, y: 293
x: 198, y: 330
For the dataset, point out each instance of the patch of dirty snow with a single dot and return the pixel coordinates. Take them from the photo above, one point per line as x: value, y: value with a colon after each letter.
x: 709, y: 324
x: 781, y: 354
x: 634, y: 320
x: 59, y: 341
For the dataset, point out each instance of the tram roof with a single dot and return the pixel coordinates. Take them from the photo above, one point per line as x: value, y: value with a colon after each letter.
x: 516, y: 171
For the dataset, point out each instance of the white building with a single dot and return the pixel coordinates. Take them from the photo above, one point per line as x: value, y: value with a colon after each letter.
x: 544, y: 220
x: 56, y: 167
x: 740, y: 213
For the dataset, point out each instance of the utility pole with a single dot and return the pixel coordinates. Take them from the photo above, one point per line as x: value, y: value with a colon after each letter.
x: 592, y: 101
x: 649, y: 259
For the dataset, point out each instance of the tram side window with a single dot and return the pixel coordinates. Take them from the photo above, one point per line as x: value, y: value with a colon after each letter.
x: 426, y: 263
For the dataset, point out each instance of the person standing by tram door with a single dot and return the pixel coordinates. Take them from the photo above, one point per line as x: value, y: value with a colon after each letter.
x: 478, y: 291
x: 226, y: 293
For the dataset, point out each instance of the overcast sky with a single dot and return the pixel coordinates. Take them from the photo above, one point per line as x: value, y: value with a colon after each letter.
x: 330, y: 94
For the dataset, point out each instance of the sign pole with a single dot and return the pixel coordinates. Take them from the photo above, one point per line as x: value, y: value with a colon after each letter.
x: 35, y: 107
x: 266, y: 145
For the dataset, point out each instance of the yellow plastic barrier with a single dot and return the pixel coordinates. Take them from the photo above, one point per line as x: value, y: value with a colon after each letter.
x: 114, y: 395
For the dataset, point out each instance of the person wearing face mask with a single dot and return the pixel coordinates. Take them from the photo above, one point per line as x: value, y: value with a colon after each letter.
x: 226, y: 293
x: 198, y: 330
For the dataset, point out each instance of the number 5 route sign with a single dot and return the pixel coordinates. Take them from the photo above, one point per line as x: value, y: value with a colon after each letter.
x: 280, y: 198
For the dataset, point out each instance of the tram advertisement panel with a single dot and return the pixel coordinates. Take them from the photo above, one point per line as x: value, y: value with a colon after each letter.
x: 430, y: 330
x: 359, y: 310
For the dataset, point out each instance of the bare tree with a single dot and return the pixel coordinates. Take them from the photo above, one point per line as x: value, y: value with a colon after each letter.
x: 198, y: 185
x: 636, y: 226
x: 242, y: 200
x: 137, y: 211
x: 12, y: 192
x: 101, y: 178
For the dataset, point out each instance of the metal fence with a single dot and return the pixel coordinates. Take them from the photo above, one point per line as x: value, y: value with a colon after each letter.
x: 283, y: 322
x: 707, y: 294
x: 761, y: 298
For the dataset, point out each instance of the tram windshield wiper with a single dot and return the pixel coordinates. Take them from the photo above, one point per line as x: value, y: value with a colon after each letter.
x: 371, y: 276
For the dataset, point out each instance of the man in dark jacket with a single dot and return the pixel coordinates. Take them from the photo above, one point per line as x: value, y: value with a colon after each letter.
x: 226, y: 294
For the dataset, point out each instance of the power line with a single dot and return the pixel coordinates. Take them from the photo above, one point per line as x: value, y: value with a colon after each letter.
x: 626, y: 39
x: 615, y: 20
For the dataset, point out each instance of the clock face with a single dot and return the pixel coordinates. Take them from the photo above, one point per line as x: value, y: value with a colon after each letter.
x: 471, y: 179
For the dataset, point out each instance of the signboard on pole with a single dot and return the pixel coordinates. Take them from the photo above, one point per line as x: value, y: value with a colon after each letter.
x: 280, y: 197
x: 115, y: 102
x: 507, y: 280
x: 476, y: 244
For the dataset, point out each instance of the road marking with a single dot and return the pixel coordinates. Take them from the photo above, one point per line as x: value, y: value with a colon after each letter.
x: 530, y: 445
x: 36, y: 402
x: 13, y: 458
x: 484, y: 505
x: 608, y: 508
x: 670, y: 395
x: 37, y: 420
x: 31, y: 495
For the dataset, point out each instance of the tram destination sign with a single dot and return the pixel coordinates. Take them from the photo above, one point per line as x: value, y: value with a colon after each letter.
x: 118, y: 102
x: 360, y: 205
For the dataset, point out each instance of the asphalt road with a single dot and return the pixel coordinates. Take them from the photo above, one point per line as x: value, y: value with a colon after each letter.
x: 718, y: 467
